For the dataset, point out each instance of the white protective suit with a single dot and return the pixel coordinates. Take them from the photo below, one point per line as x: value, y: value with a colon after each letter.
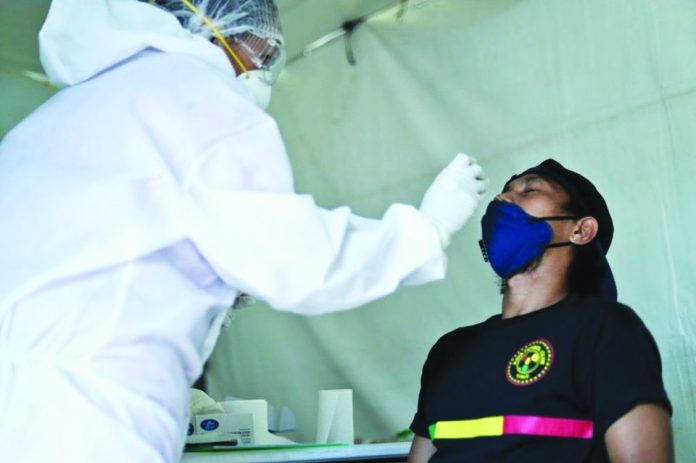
x: 135, y: 204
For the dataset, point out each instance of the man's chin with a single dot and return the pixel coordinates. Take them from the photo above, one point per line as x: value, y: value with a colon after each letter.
x: 504, y: 283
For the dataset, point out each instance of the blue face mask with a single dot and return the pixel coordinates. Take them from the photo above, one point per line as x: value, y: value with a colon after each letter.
x: 512, y: 239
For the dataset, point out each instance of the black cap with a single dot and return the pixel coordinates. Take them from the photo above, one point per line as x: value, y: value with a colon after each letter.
x: 588, y: 202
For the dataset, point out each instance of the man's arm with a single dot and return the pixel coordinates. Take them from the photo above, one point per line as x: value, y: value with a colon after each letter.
x: 643, y: 435
x: 421, y: 450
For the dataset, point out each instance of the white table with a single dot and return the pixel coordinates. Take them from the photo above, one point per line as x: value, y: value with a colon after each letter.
x: 391, y: 452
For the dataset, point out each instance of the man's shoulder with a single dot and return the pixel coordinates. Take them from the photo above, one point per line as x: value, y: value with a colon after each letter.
x: 464, y: 333
x: 605, y: 312
x: 595, y: 306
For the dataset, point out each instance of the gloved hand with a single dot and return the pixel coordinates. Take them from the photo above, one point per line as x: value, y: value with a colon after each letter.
x: 452, y: 198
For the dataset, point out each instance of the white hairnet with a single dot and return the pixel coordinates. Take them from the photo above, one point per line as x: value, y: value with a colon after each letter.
x: 231, y: 17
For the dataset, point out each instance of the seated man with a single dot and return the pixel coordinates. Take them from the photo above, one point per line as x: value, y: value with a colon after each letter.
x: 565, y: 373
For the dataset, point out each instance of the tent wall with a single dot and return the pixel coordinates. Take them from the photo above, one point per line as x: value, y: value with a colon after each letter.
x: 19, y: 24
x: 605, y: 87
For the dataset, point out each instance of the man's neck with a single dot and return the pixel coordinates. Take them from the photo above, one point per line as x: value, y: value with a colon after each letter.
x: 533, y: 290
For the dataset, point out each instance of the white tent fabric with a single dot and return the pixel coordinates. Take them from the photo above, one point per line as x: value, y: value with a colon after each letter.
x: 608, y: 88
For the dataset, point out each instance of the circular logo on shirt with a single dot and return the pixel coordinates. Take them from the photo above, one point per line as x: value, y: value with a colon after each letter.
x: 530, y: 363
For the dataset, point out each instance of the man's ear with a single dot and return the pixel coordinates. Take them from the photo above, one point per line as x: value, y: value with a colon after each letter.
x: 585, y: 231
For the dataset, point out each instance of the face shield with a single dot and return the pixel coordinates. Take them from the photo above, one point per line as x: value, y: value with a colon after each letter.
x: 268, y: 55
x: 252, y: 25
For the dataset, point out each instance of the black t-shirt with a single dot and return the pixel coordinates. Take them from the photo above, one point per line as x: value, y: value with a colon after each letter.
x: 543, y: 386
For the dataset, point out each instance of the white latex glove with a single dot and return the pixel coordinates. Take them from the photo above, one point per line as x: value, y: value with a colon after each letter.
x: 452, y: 198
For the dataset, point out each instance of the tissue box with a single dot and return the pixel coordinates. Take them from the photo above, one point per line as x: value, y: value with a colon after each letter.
x: 222, y: 427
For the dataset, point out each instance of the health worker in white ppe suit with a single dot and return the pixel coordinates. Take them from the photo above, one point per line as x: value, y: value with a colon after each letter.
x: 142, y: 198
